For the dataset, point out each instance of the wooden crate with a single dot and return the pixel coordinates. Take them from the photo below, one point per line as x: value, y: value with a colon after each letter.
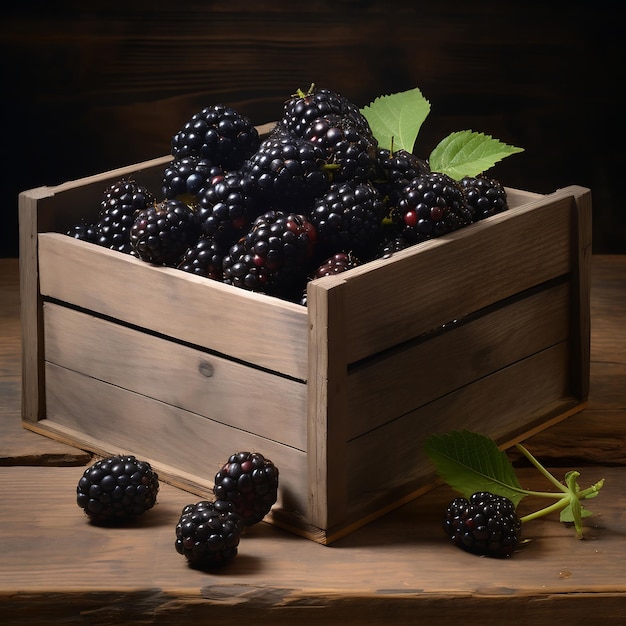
x: 486, y: 329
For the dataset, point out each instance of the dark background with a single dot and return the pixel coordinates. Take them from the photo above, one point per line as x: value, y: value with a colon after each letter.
x: 92, y: 86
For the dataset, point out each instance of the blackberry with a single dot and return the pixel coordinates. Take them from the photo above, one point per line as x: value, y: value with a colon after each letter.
x: 219, y: 134
x: 117, y: 489
x: 349, y: 152
x: 272, y: 258
x: 336, y: 264
x: 249, y: 482
x: 485, y: 196
x: 287, y: 171
x: 398, y: 169
x: 392, y: 245
x: 161, y: 233
x: 121, y: 201
x: 431, y: 205
x: 348, y: 218
x: 83, y: 230
x: 183, y: 178
x: 302, y: 109
x: 204, y: 258
x: 208, y: 533
x: 485, y: 524
x: 226, y: 208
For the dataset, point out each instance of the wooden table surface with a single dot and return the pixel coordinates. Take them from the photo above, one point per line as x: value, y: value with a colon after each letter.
x: 57, y: 568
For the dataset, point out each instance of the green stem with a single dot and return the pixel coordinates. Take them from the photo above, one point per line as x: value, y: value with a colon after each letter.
x: 541, y: 468
x: 561, y: 504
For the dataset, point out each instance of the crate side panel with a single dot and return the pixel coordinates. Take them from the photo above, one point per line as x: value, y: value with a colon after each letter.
x: 426, y: 370
x: 232, y: 393
x: 264, y: 331
x: 447, y: 278
x: 502, y: 406
x: 124, y: 421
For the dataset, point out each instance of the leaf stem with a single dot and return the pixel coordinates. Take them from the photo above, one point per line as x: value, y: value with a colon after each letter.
x: 561, y: 504
x: 541, y: 468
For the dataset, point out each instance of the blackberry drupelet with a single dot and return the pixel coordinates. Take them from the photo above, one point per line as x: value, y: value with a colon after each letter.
x: 161, y: 233
x: 485, y: 196
x: 226, y: 208
x: 117, y: 489
x: 204, y: 258
x: 349, y: 218
x: 286, y: 171
x: 273, y: 257
x: 249, y: 482
x: 208, y: 533
x: 486, y: 524
x: 218, y: 133
x: 302, y: 109
x: 431, y: 205
x: 183, y: 178
x: 120, y: 203
x: 349, y: 152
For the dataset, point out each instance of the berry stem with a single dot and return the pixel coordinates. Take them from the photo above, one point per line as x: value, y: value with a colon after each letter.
x: 557, y: 483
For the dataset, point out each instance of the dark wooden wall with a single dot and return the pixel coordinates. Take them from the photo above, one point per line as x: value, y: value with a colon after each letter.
x: 90, y: 86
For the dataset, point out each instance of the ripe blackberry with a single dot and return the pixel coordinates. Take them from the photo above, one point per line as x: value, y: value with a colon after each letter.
x: 208, y: 533
x: 487, y: 524
x: 161, y: 233
x: 302, y: 109
x: 117, y: 489
x: 273, y: 256
x: 249, y: 482
x: 392, y: 245
x: 348, y: 218
x: 226, y: 208
x: 287, y: 171
x: 431, y: 205
x: 218, y: 133
x: 336, y: 264
x: 485, y: 196
x: 121, y: 201
x: 183, y: 178
x: 82, y: 230
x: 398, y: 169
x: 349, y: 152
x: 204, y: 258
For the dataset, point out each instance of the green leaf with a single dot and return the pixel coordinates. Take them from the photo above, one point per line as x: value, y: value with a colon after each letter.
x: 567, y: 515
x: 396, y: 119
x: 467, y: 153
x: 471, y: 462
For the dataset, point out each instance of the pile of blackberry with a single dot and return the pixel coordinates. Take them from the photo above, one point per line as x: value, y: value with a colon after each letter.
x: 263, y: 213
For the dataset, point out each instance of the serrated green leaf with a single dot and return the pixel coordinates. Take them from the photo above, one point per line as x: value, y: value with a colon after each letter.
x: 471, y: 462
x: 468, y: 153
x: 396, y: 119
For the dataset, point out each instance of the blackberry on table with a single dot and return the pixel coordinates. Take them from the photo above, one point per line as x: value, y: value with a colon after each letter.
x: 161, y: 233
x: 349, y: 218
x: 485, y: 196
x: 117, y: 489
x: 431, y: 205
x: 120, y: 203
x: 204, y: 258
x: 486, y: 524
x: 183, y: 178
x: 249, y: 481
x: 349, y: 152
x: 218, y: 133
x: 273, y: 257
x: 226, y: 208
x: 208, y: 533
x: 286, y: 171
